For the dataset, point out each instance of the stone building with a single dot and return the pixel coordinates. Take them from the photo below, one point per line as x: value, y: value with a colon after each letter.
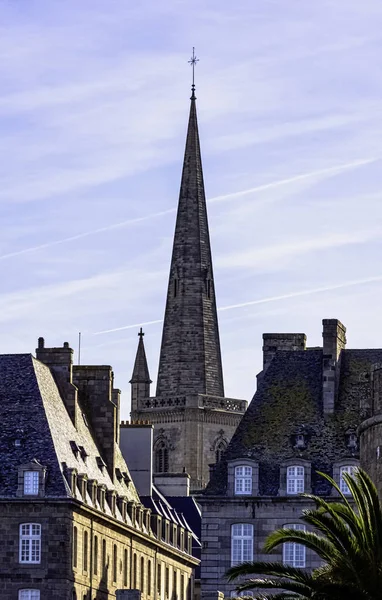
x: 72, y: 525
x: 304, y: 418
x: 193, y: 420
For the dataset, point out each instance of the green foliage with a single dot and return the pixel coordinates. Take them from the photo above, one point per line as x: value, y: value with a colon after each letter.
x: 347, y: 536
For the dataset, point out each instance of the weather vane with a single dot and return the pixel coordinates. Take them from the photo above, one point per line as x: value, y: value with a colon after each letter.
x: 193, y: 60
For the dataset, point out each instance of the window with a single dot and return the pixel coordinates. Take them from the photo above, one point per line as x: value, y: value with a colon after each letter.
x: 241, y: 543
x: 149, y: 578
x: 167, y: 582
x: 295, y: 480
x: 175, y: 585
x: 31, y: 482
x: 30, y: 543
x: 294, y: 554
x: 142, y: 575
x: 134, y: 573
x: 85, y: 549
x: 161, y: 458
x: 243, y: 480
x: 75, y: 547
x: 115, y: 563
x: 182, y: 587
x: 95, y: 565
x: 220, y: 449
x: 104, y: 558
x: 29, y: 595
x: 350, y: 469
x: 125, y: 562
x: 159, y: 580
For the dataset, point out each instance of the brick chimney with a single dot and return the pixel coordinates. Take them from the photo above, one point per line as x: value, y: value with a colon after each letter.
x: 334, y: 341
x: 274, y: 342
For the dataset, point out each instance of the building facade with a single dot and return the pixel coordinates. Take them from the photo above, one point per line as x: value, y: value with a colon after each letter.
x: 72, y: 524
x: 193, y: 420
x: 310, y: 407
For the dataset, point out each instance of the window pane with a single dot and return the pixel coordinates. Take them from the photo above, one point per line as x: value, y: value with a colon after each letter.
x: 29, y: 595
x: 294, y: 554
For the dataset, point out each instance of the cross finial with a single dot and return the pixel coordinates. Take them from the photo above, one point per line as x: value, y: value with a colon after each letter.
x: 193, y: 60
x: 140, y: 334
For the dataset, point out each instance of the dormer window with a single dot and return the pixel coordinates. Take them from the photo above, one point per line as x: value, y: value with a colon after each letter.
x: 351, y: 440
x: 243, y: 480
x: 300, y: 441
x: 101, y: 463
x: 75, y: 448
x: 84, y: 455
x: 350, y: 469
x: 31, y: 483
x: 118, y: 474
x: 31, y: 479
x: 295, y: 480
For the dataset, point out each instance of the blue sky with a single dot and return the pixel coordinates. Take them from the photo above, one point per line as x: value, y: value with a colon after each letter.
x: 93, y: 111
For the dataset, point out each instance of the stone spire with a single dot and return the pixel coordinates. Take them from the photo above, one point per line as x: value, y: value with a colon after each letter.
x: 140, y: 379
x: 190, y: 359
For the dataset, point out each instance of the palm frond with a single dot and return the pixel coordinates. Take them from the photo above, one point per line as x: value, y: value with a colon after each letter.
x: 274, y: 569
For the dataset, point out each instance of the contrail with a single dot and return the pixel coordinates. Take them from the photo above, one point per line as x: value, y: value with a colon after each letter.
x: 259, y: 188
x: 128, y: 327
x: 87, y: 233
x: 281, y: 182
x: 327, y: 288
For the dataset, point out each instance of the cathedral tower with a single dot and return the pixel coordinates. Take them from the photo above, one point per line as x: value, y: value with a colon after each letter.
x: 193, y: 422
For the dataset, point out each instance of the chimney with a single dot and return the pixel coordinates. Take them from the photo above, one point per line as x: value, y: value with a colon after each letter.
x: 96, y: 393
x: 60, y: 362
x: 274, y: 342
x: 136, y: 443
x: 334, y: 340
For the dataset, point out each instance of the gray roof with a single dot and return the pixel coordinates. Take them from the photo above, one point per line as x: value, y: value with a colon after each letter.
x: 289, y: 401
x: 34, y: 413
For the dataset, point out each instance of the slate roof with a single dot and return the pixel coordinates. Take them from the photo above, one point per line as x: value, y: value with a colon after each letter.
x: 33, y: 411
x: 289, y: 401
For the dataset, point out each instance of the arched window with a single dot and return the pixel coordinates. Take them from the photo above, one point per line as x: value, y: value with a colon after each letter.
x: 294, y: 554
x: 134, y: 573
x: 243, y: 480
x: 295, y: 480
x: 30, y: 543
x: 85, y: 550
x: 161, y: 457
x: 125, y: 563
x: 241, y: 543
x: 149, y: 578
x: 219, y: 451
x: 142, y: 575
x: 75, y: 547
x: 95, y: 560
x: 115, y: 558
x: 350, y: 469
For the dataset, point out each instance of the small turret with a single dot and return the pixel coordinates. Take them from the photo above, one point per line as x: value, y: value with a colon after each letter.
x: 140, y: 379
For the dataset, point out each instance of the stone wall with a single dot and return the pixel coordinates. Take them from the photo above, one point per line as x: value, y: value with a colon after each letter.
x: 59, y: 575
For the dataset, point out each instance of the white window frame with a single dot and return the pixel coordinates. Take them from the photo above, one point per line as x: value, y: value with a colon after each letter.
x: 31, y: 483
x: 243, y: 480
x: 294, y: 554
x: 295, y: 480
x: 343, y: 485
x: 241, y: 543
x: 30, y: 543
x: 29, y: 594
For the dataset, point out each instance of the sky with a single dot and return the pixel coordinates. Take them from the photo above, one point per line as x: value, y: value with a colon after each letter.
x: 94, y: 106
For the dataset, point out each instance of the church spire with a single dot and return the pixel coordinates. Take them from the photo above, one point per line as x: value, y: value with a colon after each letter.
x: 140, y: 379
x: 190, y: 359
